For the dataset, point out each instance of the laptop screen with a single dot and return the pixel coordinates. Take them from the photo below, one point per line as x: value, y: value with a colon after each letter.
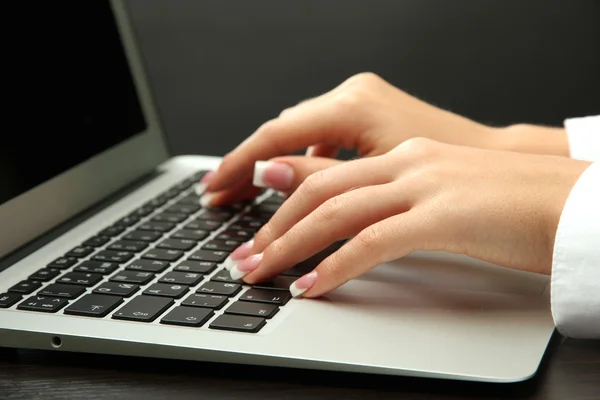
x: 77, y: 98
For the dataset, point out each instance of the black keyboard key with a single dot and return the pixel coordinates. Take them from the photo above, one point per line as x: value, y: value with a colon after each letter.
x: 166, y: 290
x: 42, y: 304
x: 189, y: 234
x: 97, y: 267
x: 118, y: 257
x: 143, y: 308
x: 201, y: 267
x: 274, y: 199
x: 224, y: 276
x: 205, y: 300
x: 80, y: 252
x: 59, y: 290
x: 25, y: 287
x: 238, y: 323
x: 145, y: 210
x: 239, y: 235
x: 80, y: 278
x: 148, y: 265
x: 45, y: 274
x: 252, y: 309
x: 203, y: 225
x: 117, y: 289
x: 221, y: 245
x: 9, y: 299
x: 197, y: 176
x: 157, y: 226
x: 220, y: 288
x: 156, y: 202
x: 177, y: 244
x: 171, y: 193
x: 255, y: 216
x: 63, y: 262
x: 94, y: 305
x: 188, y: 316
x: 112, y: 231
x: 182, y: 278
x: 162, y: 255
x: 129, y: 220
x: 279, y: 283
x: 137, y: 277
x: 278, y: 297
x: 168, y: 217
x: 181, y: 186
x: 266, y: 208
x: 186, y: 209
x: 96, y: 241
x: 128, y: 245
x: 209, y: 255
x: 211, y: 215
x: 192, y: 199
x: 144, y: 236
x: 252, y: 226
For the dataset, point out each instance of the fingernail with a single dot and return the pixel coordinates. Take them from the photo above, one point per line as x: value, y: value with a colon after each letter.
x: 206, y: 200
x: 246, y: 266
x: 200, y: 188
x: 303, y: 284
x: 268, y: 174
x: 239, y: 254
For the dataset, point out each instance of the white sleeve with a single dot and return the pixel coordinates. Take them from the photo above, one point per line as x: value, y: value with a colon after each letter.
x: 584, y: 137
x: 575, y: 281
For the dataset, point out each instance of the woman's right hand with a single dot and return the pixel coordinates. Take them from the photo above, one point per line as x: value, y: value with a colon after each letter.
x: 364, y: 113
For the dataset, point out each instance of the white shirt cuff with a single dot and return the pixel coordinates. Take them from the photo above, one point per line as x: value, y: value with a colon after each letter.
x: 584, y: 137
x: 575, y: 282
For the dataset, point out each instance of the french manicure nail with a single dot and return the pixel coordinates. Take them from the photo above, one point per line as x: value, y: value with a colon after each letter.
x: 206, y: 200
x: 239, y: 254
x: 302, y: 284
x: 268, y: 174
x: 246, y: 266
x: 200, y: 188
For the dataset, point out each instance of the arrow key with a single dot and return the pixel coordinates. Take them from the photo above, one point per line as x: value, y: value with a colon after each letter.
x: 43, y: 304
x: 188, y: 316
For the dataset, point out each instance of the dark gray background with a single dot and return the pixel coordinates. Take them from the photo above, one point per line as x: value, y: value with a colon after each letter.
x: 220, y: 68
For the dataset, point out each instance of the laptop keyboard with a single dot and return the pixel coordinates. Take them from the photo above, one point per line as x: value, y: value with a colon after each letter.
x: 163, y: 262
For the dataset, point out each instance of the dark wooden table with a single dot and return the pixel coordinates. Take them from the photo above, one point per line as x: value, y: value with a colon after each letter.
x: 571, y: 371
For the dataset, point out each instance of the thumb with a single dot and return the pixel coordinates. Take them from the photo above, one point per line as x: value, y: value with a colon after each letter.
x: 285, y: 174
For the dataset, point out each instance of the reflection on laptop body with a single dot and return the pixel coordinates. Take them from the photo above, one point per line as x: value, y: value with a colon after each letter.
x: 143, y: 275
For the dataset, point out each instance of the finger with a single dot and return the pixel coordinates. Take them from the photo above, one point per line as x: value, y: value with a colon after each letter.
x: 318, y: 188
x: 384, y: 241
x: 338, y: 218
x: 285, y: 174
x: 230, y: 196
x: 307, y: 124
x: 322, y: 150
x: 241, y: 191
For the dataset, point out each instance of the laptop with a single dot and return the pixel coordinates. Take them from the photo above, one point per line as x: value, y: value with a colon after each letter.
x: 106, y: 249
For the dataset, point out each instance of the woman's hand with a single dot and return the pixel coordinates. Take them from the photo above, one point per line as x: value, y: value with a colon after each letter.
x: 496, y: 206
x: 364, y: 113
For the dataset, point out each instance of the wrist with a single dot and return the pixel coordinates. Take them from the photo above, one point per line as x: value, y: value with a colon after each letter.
x: 524, y: 138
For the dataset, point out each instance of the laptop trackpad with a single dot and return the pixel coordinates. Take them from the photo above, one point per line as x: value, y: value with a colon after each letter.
x: 457, y: 272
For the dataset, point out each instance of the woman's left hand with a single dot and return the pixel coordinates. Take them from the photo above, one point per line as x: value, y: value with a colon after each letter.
x: 496, y: 206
